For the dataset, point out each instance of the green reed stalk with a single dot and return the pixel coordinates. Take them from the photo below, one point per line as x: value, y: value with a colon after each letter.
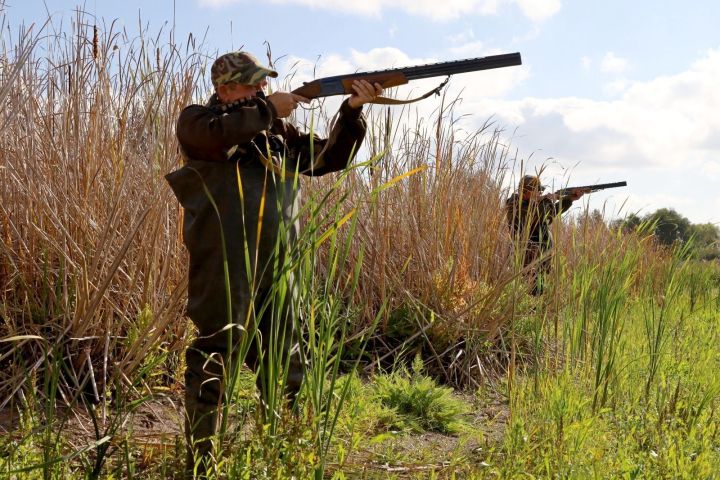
x: 658, y: 308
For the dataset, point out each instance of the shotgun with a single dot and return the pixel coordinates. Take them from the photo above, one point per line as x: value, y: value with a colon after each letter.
x: 590, y: 188
x: 341, y: 84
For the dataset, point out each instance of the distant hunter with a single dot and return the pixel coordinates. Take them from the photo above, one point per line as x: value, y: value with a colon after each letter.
x: 529, y: 216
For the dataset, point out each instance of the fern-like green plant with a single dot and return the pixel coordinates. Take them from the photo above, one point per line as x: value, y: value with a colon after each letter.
x: 421, y: 404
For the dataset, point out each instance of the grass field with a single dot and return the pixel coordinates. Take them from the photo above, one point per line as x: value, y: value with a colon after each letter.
x: 427, y: 358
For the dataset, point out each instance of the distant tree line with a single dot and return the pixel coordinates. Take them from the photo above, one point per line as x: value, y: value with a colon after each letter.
x: 670, y: 228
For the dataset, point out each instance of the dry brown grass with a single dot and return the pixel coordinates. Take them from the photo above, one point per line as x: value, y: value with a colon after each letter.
x: 89, y: 227
x: 92, y: 267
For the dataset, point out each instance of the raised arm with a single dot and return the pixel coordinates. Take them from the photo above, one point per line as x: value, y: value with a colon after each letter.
x: 207, y: 134
x: 337, y: 151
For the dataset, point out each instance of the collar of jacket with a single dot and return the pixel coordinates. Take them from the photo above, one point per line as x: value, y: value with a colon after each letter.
x: 218, y: 107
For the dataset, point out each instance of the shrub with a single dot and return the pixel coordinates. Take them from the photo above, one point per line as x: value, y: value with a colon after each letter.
x: 420, y: 403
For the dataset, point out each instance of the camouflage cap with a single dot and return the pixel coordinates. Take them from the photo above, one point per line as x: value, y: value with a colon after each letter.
x: 530, y: 183
x: 240, y: 67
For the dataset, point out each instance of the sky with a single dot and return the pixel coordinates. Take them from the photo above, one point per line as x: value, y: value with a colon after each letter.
x: 608, y: 91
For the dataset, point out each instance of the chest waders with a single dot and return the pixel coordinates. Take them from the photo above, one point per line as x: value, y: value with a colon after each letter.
x: 239, y: 225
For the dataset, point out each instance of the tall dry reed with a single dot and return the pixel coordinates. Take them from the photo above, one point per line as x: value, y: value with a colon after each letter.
x: 91, y: 259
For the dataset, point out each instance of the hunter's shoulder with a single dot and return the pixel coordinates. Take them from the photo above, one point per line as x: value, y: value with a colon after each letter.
x: 190, y: 119
x: 195, y: 107
x: 194, y: 110
x: 192, y: 114
x: 512, y: 200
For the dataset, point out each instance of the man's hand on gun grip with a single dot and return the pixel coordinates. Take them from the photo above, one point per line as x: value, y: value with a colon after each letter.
x: 285, y: 103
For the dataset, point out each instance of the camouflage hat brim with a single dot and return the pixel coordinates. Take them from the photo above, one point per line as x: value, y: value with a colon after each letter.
x: 240, y: 67
x: 252, y: 76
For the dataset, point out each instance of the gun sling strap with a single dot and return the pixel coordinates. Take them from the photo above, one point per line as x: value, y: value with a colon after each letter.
x: 394, y: 101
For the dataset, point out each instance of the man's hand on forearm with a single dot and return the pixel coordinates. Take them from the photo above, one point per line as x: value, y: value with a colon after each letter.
x: 570, y: 194
x: 576, y: 193
x: 364, y: 93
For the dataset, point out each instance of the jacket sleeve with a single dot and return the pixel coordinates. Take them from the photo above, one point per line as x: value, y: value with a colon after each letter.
x: 563, y: 205
x: 206, y: 135
x: 512, y: 214
x: 550, y: 209
x: 333, y: 153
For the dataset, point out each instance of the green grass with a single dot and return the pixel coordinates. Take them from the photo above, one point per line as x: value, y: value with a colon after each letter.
x: 640, y: 403
x: 659, y: 418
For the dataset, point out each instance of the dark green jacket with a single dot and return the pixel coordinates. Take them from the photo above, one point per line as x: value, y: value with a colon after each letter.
x: 530, y: 220
x: 256, y: 208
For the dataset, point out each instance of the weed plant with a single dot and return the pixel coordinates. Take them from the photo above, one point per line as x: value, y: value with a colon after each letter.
x: 419, y: 403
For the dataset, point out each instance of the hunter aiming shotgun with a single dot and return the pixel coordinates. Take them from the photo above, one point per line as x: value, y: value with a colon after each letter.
x: 590, y: 188
x: 342, y: 84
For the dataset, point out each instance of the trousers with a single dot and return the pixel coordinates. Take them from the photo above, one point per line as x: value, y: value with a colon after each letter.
x: 272, y: 343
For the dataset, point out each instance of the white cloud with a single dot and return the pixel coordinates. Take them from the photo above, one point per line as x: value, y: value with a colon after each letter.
x: 711, y: 169
x: 644, y: 204
x: 617, y: 86
x: 387, y: 57
x: 539, y: 10
x: 613, y: 64
x: 658, y: 132
x: 535, y: 10
x: 462, y: 37
x: 586, y: 62
x: 669, y: 121
x: 655, y: 132
x: 468, y: 50
x: 364, y: 8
